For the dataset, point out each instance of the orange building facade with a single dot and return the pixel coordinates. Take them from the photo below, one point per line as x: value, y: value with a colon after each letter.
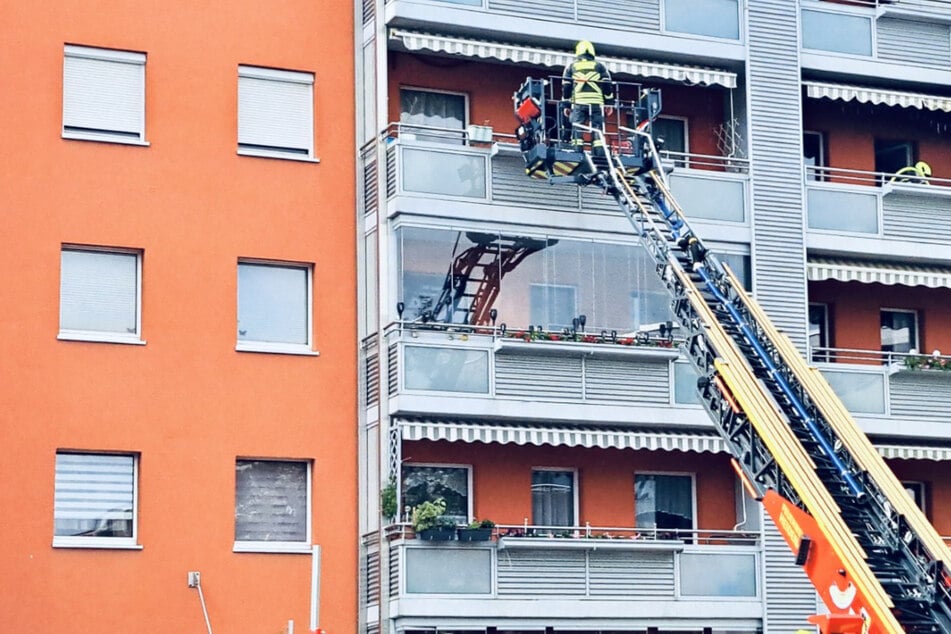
x: 179, y: 379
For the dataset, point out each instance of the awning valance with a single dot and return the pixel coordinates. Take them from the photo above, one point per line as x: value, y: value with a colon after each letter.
x: 606, y: 437
x: 415, y: 41
x: 819, y: 269
x: 878, y: 96
x: 914, y: 452
x: 588, y: 436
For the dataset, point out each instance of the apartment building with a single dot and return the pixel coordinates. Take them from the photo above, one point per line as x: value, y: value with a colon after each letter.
x: 559, y: 413
x: 179, y: 377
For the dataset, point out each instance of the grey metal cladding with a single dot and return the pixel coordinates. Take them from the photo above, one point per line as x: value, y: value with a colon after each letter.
x: 555, y: 10
x: 626, y: 381
x: 917, y: 218
x: 541, y: 572
x: 914, y: 42
x: 509, y: 185
x: 550, y: 378
x: 789, y: 596
x: 912, y: 395
x: 631, y: 15
x: 776, y: 150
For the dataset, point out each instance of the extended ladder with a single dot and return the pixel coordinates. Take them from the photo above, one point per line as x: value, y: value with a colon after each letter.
x: 876, y: 561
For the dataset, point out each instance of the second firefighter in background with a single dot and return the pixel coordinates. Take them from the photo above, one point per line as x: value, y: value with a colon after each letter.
x: 587, y: 85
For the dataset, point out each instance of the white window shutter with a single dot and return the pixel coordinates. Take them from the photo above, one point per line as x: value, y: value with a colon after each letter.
x: 104, y: 92
x: 91, y: 490
x: 99, y: 291
x: 271, y: 501
x: 275, y: 111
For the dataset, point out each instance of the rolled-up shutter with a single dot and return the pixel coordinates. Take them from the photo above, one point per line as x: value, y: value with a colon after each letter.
x: 103, y: 93
x: 275, y: 111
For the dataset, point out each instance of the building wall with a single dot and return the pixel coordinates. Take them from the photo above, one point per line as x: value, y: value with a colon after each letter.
x: 502, y: 479
x: 855, y: 312
x: 186, y: 401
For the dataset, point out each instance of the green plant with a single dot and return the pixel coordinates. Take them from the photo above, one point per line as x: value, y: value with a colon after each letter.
x: 388, y: 504
x: 486, y: 524
x: 429, y: 515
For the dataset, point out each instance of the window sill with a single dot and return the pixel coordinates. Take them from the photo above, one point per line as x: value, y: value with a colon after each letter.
x: 279, y: 548
x: 104, y: 138
x: 101, y: 337
x: 276, y: 348
x: 580, y: 543
x: 278, y: 155
x: 93, y: 543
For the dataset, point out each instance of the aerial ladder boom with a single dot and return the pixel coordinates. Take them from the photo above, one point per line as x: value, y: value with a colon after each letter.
x: 874, y: 559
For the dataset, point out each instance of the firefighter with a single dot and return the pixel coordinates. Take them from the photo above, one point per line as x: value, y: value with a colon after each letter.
x: 587, y: 85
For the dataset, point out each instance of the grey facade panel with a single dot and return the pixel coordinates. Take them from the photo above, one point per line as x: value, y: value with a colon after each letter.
x: 394, y: 571
x: 393, y: 370
x: 546, y: 377
x: 538, y: 573
x: 510, y: 185
x: 633, y: 15
x: 370, y: 183
x: 627, y: 382
x: 372, y: 578
x: 634, y: 575
x: 789, y: 596
x: 913, y: 395
x: 560, y: 10
x: 372, y: 378
x: 914, y: 42
x: 776, y: 150
x: 917, y: 218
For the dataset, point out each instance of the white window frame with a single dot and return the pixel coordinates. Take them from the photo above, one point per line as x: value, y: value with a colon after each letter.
x: 67, y: 334
x: 305, y: 78
x: 693, y: 495
x: 275, y: 347
x: 301, y: 547
x: 414, y: 130
x: 575, y: 485
x: 816, y: 172
x: 115, y: 543
x: 685, y: 161
x: 136, y: 137
x: 441, y: 465
x: 825, y: 330
x: 916, y: 344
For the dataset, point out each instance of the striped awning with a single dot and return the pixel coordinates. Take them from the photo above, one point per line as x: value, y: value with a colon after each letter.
x: 588, y: 436
x: 878, y: 96
x: 842, y: 270
x: 415, y: 41
x: 605, y: 437
x: 914, y: 452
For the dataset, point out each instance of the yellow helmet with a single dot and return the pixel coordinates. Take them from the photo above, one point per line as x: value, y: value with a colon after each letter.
x: 923, y: 168
x: 584, y: 47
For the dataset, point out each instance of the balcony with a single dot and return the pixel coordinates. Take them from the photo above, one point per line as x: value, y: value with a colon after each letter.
x: 715, y: 26
x: 620, y: 576
x: 867, y: 214
x: 480, y: 180
x: 487, y: 372
x: 892, y: 35
x: 890, y: 393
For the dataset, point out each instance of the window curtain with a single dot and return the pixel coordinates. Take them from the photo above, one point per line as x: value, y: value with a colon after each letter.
x: 553, y: 498
x: 94, y: 495
x: 433, y: 110
x: 663, y: 501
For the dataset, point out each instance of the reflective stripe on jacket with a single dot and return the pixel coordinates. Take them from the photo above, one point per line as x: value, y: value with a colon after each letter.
x: 587, y: 82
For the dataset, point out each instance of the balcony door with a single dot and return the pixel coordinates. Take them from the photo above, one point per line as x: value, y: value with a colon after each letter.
x: 433, y: 116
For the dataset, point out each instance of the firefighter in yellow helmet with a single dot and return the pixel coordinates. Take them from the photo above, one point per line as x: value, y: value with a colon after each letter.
x: 586, y: 84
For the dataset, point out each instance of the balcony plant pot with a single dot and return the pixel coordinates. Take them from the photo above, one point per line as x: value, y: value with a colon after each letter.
x: 475, y: 534
x: 437, y: 533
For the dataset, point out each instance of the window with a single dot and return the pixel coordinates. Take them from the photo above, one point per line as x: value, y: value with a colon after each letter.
x: 427, y: 483
x: 432, y: 116
x: 552, y: 307
x: 103, y: 95
x: 917, y: 491
x: 891, y: 156
x: 274, y: 307
x: 673, y: 131
x: 741, y: 266
x: 819, y: 332
x: 814, y: 155
x: 95, y: 500
x: 272, y: 506
x: 439, y: 369
x: 650, y: 306
x: 100, y: 295
x: 275, y: 113
x: 899, y: 330
x: 553, y: 497
x: 664, y: 501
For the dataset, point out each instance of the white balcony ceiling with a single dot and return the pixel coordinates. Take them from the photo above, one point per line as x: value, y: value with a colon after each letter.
x: 606, y: 437
x: 878, y: 96
x: 415, y: 41
x: 843, y: 270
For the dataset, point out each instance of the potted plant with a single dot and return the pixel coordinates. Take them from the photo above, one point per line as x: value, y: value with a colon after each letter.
x: 430, y: 523
x: 388, y: 502
x: 477, y: 531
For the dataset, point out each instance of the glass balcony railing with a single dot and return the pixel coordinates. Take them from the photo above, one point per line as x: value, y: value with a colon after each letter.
x: 877, y: 204
x: 710, y: 18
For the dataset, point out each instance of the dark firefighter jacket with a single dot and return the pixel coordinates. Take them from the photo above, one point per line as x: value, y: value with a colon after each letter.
x: 586, y: 81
